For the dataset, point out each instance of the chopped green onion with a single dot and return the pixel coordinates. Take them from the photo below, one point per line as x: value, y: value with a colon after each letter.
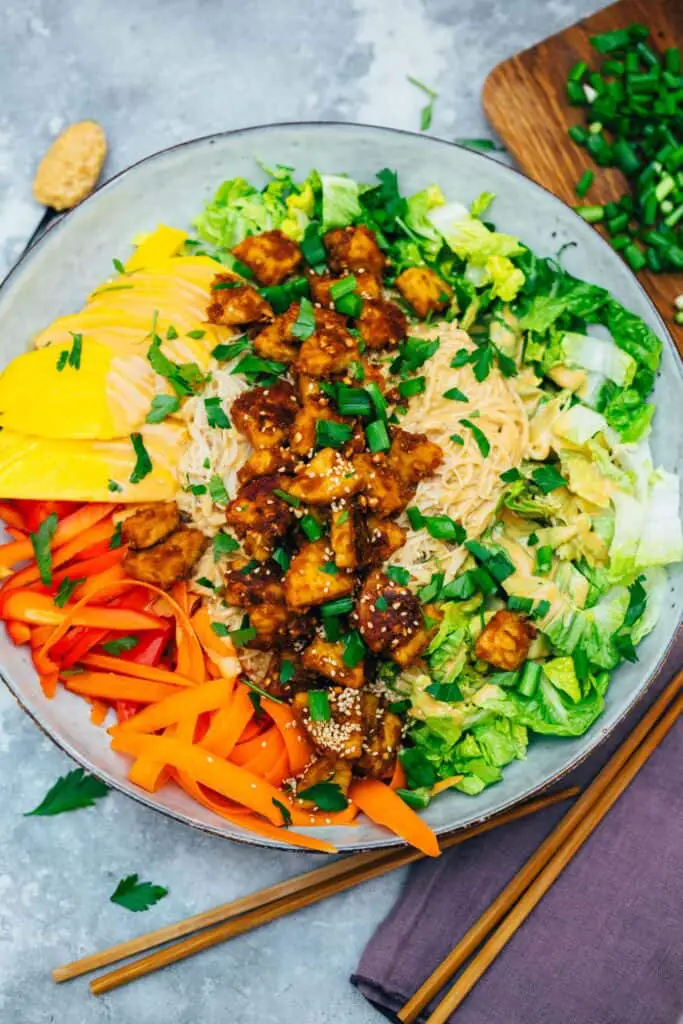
x: 329, y: 434
x: 319, y: 706
x: 342, y: 287
x: 304, y: 325
x: 342, y: 606
x: 289, y: 499
x: 350, y: 304
x: 311, y: 527
x: 377, y: 436
x: 584, y: 183
x: 544, y: 559
x: 354, y: 649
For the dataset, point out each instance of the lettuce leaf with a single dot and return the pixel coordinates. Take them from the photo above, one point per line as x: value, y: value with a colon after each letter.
x: 633, y: 335
x: 661, y: 540
x: 237, y: 210
x: 629, y: 415
x: 542, y: 313
x: 341, y: 205
x: 468, y: 237
x: 579, y: 424
x: 552, y: 713
x: 598, y: 355
x: 506, y: 278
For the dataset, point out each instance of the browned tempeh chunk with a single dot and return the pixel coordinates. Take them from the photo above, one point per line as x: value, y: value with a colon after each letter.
x: 367, y: 286
x: 354, y: 249
x: 413, y: 457
x: 382, y: 324
x: 390, y: 619
x: 170, y: 560
x: 271, y: 256
x: 349, y: 537
x: 259, y: 516
x: 305, y: 582
x: 385, y: 537
x: 326, y: 478
x: 150, y: 525
x: 505, y: 641
x: 382, y: 487
x: 327, y: 659
x: 265, y: 414
x: 329, y: 350
x: 276, y: 341
x: 424, y: 290
x: 235, y: 303
x: 341, y: 736
x: 265, y: 461
x: 381, y: 743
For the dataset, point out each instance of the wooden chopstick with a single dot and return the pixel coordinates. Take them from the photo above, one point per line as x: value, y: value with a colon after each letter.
x: 537, y: 890
x: 637, y: 745
x: 271, y: 903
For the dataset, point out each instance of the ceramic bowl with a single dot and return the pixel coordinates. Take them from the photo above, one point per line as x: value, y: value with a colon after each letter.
x: 75, y: 255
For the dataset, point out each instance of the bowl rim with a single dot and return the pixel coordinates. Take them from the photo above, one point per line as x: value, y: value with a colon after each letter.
x: 390, y: 841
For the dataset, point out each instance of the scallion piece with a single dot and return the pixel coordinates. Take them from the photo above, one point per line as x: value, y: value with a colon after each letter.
x: 377, y: 436
x: 584, y: 183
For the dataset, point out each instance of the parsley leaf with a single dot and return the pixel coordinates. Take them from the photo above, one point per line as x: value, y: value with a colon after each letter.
x: 161, y: 407
x: 118, y: 266
x: 636, y: 602
x: 217, y: 490
x: 135, y: 895
x: 69, y: 793
x: 284, y: 811
x: 215, y: 414
x: 548, y: 478
x: 143, y: 463
x: 479, y: 436
x: 61, y: 362
x: 41, y: 541
x: 327, y: 796
x: 113, y: 486
x: 116, y: 537
x: 183, y: 378
x: 455, y: 395
x: 76, y: 350
x: 120, y: 644
x: 66, y: 589
x: 223, y: 544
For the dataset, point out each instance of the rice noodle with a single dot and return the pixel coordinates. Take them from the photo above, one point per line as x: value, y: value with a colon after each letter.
x: 467, y: 486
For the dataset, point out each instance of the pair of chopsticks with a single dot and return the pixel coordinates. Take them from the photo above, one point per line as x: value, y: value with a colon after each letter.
x: 202, y: 931
x: 519, y: 897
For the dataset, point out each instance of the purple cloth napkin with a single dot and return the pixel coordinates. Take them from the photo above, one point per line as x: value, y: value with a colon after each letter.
x: 605, y: 945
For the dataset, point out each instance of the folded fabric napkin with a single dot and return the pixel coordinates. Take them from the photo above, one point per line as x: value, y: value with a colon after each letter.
x: 604, y: 946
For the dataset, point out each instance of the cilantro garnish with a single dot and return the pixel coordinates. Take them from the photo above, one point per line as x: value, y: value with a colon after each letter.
x: 143, y: 463
x: 41, y: 541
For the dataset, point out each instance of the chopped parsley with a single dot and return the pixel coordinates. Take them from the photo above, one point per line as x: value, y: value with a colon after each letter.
x: 215, y: 414
x: 76, y: 350
x: 41, y: 541
x: 217, y: 490
x: 116, y: 537
x: 510, y: 475
x: 398, y: 574
x: 161, y: 407
x: 72, y: 791
x: 61, y: 362
x: 479, y: 436
x: 455, y: 395
x: 137, y: 896
x: 284, y: 811
x: 428, y: 110
x: 143, y: 463
x: 113, y: 486
x: 223, y: 353
x: 66, y: 589
x: 327, y: 796
x: 548, y: 478
x: 118, y: 266
x: 184, y: 378
x: 195, y: 334
x: 289, y: 499
x: 120, y: 644
x: 223, y: 544
x: 287, y: 670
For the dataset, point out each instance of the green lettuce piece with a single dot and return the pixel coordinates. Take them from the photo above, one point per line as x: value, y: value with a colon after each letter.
x: 542, y: 313
x: 582, y: 299
x: 501, y: 740
x: 603, y: 620
x: 598, y: 581
x: 629, y: 415
x: 562, y: 674
x: 237, y: 210
x: 597, y: 355
x: 654, y: 583
x: 628, y: 524
x: 481, y: 203
x: 416, y: 219
x: 552, y: 713
x: 633, y: 336
x: 526, y: 500
x: 506, y: 278
x: 456, y: 618
x: 579, y: 424
x: 661, y: 539
x: 468, y: 237
x: 341, y: 205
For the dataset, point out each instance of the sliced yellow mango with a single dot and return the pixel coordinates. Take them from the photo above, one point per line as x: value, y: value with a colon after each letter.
x: 59, y: 470
x: 163, y: 241
x: 105, y: 396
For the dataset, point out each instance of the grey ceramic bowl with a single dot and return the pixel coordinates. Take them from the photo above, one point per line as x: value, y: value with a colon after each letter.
x: 56, y: 275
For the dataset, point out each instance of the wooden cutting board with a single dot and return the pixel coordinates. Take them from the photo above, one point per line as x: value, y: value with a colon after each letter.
x: 525, y: 100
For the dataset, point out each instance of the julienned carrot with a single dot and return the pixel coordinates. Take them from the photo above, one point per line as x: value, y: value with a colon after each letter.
x: 19, y: 632
x: 108, y: 686
x: 444, y: 784
x: 99, y: 711
x: 250, y: 821
x: 62, y: 554
x: 228, y: 779
x: 11, y: 516
x: 299, y: 750
x: 261, y: 754
x: 188, y: 701
x: 384, y: 807
x: 280, y: 770
x: 40, y: 610
x: 398, y: 779
x: 95, y: 583
x: 219, y: 649
x: 89, y: 567
x: 254, y: 727
x: 71, y: 526
x: 132, y: 668
x: 228, y: 724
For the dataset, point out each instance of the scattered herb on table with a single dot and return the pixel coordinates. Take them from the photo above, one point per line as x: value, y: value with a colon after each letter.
x: 132, y: 894
x: 70, y: 792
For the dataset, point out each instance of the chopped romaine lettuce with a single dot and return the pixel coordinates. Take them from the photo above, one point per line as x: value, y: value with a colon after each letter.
x: 633, y: 335
x: 468, y: 237
x: 598, y: 355
x: 340, y: 201
x: 579, y: 424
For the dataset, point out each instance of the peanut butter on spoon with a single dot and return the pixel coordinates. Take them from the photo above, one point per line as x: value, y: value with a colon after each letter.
x: 69, y: 170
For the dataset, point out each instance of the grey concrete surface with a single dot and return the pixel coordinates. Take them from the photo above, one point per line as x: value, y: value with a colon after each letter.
x: 154, y: 74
